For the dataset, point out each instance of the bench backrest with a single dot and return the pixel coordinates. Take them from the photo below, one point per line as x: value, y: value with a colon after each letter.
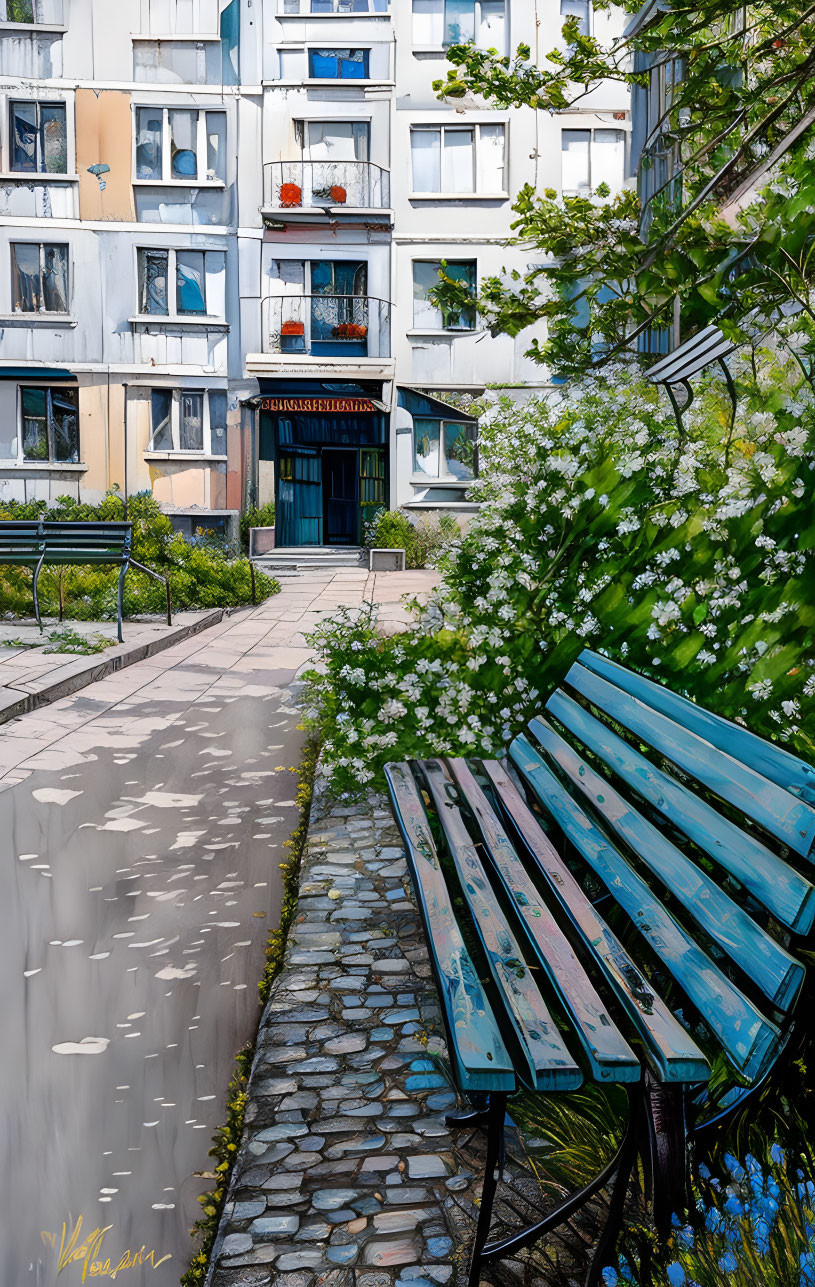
x: 64, y: 543
x: 681, y: 824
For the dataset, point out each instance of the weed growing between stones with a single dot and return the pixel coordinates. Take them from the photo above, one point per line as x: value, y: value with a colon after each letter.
x: 70, y: 640
x: 227, y: 1138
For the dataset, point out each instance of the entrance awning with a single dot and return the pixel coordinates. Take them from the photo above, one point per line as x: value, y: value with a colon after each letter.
x: 36, y: 373
x: 422, y: 404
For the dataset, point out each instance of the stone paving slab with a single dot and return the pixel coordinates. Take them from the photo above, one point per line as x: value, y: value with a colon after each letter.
x: 347, y: 1172
x: 31, y: 677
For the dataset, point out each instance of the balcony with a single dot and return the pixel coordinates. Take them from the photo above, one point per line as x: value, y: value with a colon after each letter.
x: 331, y: 8
x: 335, y: 331
x: 294, y: 188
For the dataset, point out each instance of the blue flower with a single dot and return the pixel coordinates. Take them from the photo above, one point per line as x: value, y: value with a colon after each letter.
x: 686, y: 1236
x: 610, y: 1277
x: 778, y: 1155
x: 728, y: 1263
x: 734, y: 1166
x: 676, y: 1274
x: 713, y: 1220
x: 807, y: 1265
x: 704, y: 1171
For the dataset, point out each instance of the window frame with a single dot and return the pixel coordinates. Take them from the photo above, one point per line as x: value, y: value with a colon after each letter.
x: 366, y: 51
x: 419, y: 127
x: 185, y: 181
x: 176, y: 393
x: 172, y: 253
x: 443, y: 479
x: 200, y: 41
x: 197, y: 23
x: 43, y: 245
x: 304, y: 10
x: 591, y: 130
x: 444, y: 44
x: 40, y: 176
x: 51, y: 462
x: 45, y: 24
x: 443, y: 330
x: 589, y: 16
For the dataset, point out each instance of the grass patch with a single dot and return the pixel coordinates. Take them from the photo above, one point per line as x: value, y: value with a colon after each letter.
x: 70, y: 640
x: 226, y: 1140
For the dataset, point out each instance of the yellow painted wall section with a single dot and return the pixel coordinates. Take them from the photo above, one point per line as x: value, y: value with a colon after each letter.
x: 104, y: 135
x: 93, y: 436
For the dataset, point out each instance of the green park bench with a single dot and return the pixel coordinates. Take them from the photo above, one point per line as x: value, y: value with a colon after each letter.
x: 620, y: 901
x: 42, y: 543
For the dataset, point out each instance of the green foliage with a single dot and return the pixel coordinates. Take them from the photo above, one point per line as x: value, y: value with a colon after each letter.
x: 740, y: 81
x: 200, y: 573
x: 424, y: 538
x: 256, y: 516
x: 68, y: 640
x: 690, y: 556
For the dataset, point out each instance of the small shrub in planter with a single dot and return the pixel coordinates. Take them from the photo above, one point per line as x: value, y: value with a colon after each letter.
x: 290, y: 195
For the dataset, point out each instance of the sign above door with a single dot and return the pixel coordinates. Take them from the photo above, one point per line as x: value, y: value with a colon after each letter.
x: 340, y: 406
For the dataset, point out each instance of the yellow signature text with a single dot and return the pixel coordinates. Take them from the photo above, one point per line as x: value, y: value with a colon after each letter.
x: 76, y: 1247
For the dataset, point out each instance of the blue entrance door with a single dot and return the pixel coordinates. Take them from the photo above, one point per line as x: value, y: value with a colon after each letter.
x: 299, y: 515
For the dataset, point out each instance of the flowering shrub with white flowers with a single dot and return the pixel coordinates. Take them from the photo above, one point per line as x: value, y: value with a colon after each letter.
x: 687, y: 553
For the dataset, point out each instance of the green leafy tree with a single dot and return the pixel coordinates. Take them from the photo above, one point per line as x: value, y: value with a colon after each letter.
x: 730, y: 234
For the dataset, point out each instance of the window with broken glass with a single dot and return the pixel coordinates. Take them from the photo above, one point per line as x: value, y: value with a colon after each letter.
x: 188, y: 420
x: 180, y: 145
x: 198, y: 278
x: 49, y: 426
x: 38, y: 139
x: 39, y: 277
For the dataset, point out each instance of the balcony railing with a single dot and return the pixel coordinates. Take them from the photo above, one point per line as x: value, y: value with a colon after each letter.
x: 310, y: 185
x: 315, y: 8
x: 344, y: 326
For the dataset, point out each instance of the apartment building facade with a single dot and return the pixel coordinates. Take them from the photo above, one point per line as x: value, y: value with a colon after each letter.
x: 220, y: 223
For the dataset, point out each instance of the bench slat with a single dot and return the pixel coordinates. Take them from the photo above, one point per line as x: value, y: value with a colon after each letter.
x: 476, y: 1045
x: 550, y: 1065
x: 775, y: 809
x: 669, y: 1049
x: 777, y: 973
x: 741, y: 1029
x: 777, y: 886
x: 767, y: 758
x: 609, y: 1055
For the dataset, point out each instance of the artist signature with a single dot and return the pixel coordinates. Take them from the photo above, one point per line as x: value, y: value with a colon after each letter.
x: 74, y: 1248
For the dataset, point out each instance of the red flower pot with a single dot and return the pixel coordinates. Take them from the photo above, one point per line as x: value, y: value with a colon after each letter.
x: 339, y: 196
x: 292, y: 328
x: 290, y: 194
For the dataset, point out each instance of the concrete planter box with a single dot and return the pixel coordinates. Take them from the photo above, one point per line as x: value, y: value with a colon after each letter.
x: 386, y: 560
x: 261, y: 541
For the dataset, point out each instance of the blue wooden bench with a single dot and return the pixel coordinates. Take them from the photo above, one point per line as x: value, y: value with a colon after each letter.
x: 39, y: 543
x: 621, y: 902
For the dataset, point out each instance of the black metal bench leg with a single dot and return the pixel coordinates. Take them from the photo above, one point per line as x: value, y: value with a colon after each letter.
x: 37, y: 571
x: 666, y: 1113
x: 495, y: 1113
x: 120, y: 601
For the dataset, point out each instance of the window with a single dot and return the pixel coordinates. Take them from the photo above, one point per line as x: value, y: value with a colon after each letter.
x: 579, y: 9
x: 180, y: 145
x: 335, y: 6
x: 444, y: 449
x: 38, y: 138
x: 49, y: 425
x: 426, y: 314
x: 338, y: 64
x: 592, y: 157
x: 199, y: 282
x: 47, y: 12
x: 180, y: 62
x: 459, y: 22
x: 188, y: 420
x: 39, y: 277
x: 336, y: 140
x: 183, y: 17
x: 457, y: 158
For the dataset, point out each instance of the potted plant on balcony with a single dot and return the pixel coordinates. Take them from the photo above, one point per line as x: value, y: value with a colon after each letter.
x: 292, y: 328
x: 290, y: 195
x: 338, y: 195
x: 349, y: 331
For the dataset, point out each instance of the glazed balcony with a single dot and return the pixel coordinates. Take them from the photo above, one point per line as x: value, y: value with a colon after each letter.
x: 344, y: 327
x: 318, y: 187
